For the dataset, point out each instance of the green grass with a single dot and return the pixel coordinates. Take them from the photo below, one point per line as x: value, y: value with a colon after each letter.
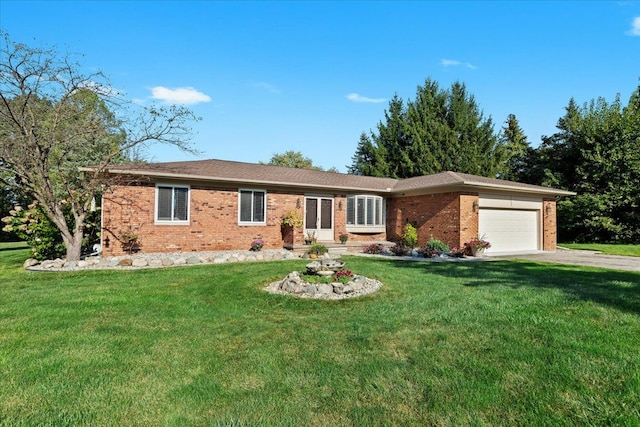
x: 626, y: 250
x: 481, y: 343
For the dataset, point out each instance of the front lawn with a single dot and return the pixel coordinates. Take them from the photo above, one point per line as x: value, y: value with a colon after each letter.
x: 626, y: 250
x: 481, y: 343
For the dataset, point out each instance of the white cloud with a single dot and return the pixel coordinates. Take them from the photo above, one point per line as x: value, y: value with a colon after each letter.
x: 268, y: 87
x: 454, y: 63
x: 635, y: 27
x: 180, y: 95
x: 354, y: 97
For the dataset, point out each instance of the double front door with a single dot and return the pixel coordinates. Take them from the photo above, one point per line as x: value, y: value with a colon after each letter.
x: 318, y: 217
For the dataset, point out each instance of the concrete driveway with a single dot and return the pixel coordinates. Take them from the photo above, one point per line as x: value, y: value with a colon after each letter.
x: 587, y: 258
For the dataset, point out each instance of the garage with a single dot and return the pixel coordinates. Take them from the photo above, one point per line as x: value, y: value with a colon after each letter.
x: 511, y: 223
x: 510, y: 230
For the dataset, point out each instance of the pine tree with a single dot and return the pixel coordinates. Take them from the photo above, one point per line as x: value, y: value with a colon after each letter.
x: 517, y: 150
x: 440, y: 130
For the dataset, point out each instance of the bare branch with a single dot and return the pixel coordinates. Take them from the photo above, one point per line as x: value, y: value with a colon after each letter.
x: 54, y: 120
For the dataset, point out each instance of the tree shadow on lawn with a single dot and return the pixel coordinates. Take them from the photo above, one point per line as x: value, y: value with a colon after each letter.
x: 617, y: 289
x: 4, y: 248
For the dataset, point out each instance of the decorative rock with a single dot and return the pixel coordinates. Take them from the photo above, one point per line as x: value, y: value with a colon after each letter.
x: 139, y: 262
x: 49, y: 264
x: 164, y: 259
x: 293, y: 284
x: 325, y: 289
x: 30, y: 263
x: 356, y: 286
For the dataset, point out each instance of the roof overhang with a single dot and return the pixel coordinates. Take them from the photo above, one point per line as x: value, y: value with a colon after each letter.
x: 249, y: 182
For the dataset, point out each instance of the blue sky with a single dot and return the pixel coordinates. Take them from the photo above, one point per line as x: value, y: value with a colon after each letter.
x: 267, y: 77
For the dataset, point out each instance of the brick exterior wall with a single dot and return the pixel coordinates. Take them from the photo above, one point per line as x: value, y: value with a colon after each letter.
x: 213, y: 221
x: 549, y: 225
x: 468, y: 217
x: 446, y: 216
x: 450, y: 217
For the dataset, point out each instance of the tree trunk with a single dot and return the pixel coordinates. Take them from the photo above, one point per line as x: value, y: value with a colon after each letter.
x: 74, y: 245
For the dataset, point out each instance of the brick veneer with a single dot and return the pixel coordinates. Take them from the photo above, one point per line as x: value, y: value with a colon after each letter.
x: 449, y: 217
x: 549, y: 225
x: 213, y: 221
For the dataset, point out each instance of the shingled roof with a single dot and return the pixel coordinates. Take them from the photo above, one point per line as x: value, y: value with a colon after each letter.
x: 267, y: 175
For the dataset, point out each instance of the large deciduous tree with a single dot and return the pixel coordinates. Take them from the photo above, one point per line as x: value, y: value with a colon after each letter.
x: 437, y: 131
x: 292, y: 159
x: 55, y: 119
x: 295, y: 159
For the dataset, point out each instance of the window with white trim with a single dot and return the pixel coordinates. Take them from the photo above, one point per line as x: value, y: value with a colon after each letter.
x: 365, y: 213
x: 252, y: 207
x: 172, y: 204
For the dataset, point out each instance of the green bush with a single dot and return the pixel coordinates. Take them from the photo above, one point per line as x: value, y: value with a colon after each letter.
x: 437, y: 245
x: 34, y: 227
x: 410, y: 236
x: 317, y: 249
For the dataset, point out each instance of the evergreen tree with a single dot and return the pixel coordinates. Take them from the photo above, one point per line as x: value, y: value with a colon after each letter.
x: 516, y: 150
x: 438, y: 131
x: 368, y: 160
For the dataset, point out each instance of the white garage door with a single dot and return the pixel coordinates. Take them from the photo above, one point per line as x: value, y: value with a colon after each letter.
x: 509, y: 230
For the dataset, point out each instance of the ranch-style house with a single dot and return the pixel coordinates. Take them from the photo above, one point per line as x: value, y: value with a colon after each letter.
x: 211, y: 205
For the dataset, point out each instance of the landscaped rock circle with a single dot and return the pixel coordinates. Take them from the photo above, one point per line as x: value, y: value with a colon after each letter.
x: 294, y: 285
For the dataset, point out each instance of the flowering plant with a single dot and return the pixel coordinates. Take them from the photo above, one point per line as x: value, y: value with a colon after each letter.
x: 429, y: 253
x: 399, y: 249
x: 343, y: 238
x: 343, y: 276
x: 257, y: 245
x: 458, y: 252
x: 291, y: 219
x: 478, y: 244
x: 374, y: 248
